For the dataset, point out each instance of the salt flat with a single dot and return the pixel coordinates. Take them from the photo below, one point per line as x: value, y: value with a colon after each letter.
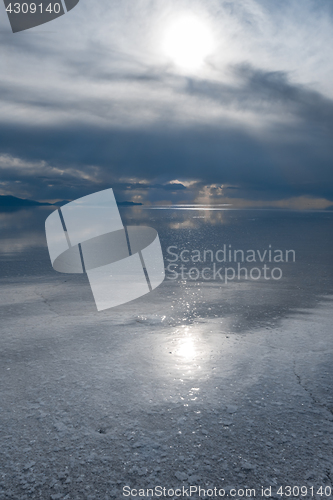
x: 193, y: 384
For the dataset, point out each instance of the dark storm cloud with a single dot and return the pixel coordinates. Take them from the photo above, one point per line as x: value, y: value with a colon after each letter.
x: 261, y: 90
x: 209, y: 156
x: 292, y: 157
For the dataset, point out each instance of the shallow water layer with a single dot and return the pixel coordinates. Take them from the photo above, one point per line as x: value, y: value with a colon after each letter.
x: 201, y: 382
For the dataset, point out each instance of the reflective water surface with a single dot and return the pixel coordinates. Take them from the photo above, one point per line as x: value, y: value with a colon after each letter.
x: 198, y: 382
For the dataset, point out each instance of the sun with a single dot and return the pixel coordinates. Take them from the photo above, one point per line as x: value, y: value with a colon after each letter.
x: 188, y: 41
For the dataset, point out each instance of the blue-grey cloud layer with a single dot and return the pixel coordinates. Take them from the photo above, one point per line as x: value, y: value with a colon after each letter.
x: 77, y: 120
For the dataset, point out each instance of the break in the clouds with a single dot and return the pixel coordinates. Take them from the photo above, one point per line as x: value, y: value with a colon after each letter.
x: 94, y: 100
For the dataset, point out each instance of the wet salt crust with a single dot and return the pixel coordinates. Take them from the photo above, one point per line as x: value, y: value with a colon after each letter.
x: 194, y: 384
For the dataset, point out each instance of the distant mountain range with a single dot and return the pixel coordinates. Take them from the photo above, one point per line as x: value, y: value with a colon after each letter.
x: 14, y: 202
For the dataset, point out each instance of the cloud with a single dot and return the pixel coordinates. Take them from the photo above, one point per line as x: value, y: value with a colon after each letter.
x: 267, y: 92
x: 97, y: 104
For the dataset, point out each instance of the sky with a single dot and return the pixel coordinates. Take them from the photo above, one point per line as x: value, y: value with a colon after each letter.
x: 105, y: 96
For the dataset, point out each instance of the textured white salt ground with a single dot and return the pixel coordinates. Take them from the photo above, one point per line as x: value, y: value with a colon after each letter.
x: 91, y: 402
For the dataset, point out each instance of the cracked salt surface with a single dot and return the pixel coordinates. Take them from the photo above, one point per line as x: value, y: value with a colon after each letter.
x: 192, y: 384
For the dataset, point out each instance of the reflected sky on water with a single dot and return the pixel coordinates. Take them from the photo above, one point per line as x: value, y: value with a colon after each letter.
x: 239, y: 356
x: 304, y: 282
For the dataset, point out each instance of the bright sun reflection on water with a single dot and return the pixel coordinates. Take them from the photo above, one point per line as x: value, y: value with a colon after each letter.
x: 186, y: 348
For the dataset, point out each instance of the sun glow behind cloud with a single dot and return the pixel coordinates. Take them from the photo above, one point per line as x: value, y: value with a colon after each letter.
x: 188, y: 41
